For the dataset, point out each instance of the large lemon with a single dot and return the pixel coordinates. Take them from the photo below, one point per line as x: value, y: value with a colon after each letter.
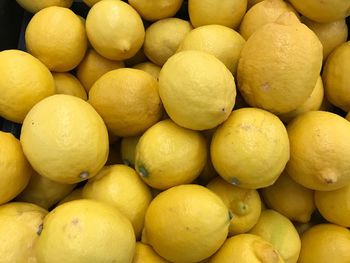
x: 65, y: 139
x: 66, y: 83
x: 34, y: 6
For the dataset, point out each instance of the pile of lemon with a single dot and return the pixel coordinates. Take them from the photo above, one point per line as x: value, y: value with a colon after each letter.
x: 150, y: 138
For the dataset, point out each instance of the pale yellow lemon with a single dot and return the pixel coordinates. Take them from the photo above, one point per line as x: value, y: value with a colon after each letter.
x: 65, y: 139
x: 319, y: 146
x: 56, y: 36
x: 169, y: 155
x: 76, y: 194
x: 194, y: 217
x: 66, y: 83
x: 272, y: 73
x: 163, y: 38
x: 250, y: 149
x: 128, y: 150
x: 222, y: 42
x: 115, y: 29
x: 150, y: 68
x: 197, y: 90
x: 85, y: 231
x: 145, y: 254
x: 34, y: 6
x: 24, y: 81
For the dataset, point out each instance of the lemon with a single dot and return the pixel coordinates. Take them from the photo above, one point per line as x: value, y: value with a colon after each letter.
x: 76, y: 194
x: 245, y: 204
x: 44, y: 192
x: 66, y: 83
x: 115, y: 29
x: 280, y: 232
x: 120, y: 186
x: 222, y: 42
x: 145, y: 254
x: 325, y: 243
x: 128, y: 101
x: 250, y: 149
x: 15, y: 170
x: 197, y: 90
x: 156, y: 9
x: 65, y: 139
x: 319, y: 146
x: 24, y: 81
x: 56, y: 36
x: 314, y: 102
x: 272, y: 73
x: 246, y: 248
x: 163, y: 39
x: 128, y: 150
x: 324, y: 11
x: 222, y: 12
x: 335, y: 205
x: 34, y: 6
x: 19, y: 227
x: 290, y: 199
x: 336, y: 78
x: 90, y: 3
x: 150, y: 68
x: 261, y: 14
x: 187, y: 223
x: 330, y: 34
x: 85, y: 231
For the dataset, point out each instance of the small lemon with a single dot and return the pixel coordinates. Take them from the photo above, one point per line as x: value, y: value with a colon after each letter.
x: 115, y: 29
x: 34, y: 6
x: 222, y: 12
x: 66, y: 83
x: 150, y: 68
x: 246, y: 248
x: 290, y: 199
x: 163, y: 39
x: 145, y: 254
x: 65, y: 139
x: 24, y: 81
x: 128, y: 150
x: 222, y: 42
x: 85, y: 231
x: 187, y: 223
x: 56, y: 36
x: 244, y: 204
x: 76, y: 194
x: 197, y: 90
x: 120, y: 186
x: 325, y: 243
x: 152, y: 10
x: 250, y: 149
x: 319, y: 146
x: 127, y: 100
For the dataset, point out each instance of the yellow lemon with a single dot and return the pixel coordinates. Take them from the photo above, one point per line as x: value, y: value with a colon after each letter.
x: 56, y: 36
x: 15, y: 170
x: 334, y: 205
x: 261, y: 14
x: 324, y: 11
x: 128, y: 150
x: 272, y: 73
x: 93, y: 67
x: 34, y: 6
x: 222, y: 42
x: 163, y: 39
x: 319, y: 146
x: 20, y: 224
x: 120, y: 186
x: 85, y: 231
x: 24, y: 81
x: 325, y: 243
x: 150, y: 68
x: 152, y: 10
x: 145, y: 254
x: 250, y: 149
x: 65, y: 139
x: 244, y: 204
x: 246, y: 248
x: 127, y: 100
x: 331, y: 34
x: 44, y: 192
x: 187, y: 223
x: 169, y: 155
x: 66, y: 83
x: 197, y: 90
x: 76, y: 194
x: 290, y: 199
x: 222, y: 12
x: 336, y: 78
x: 280, y: 232
x: 115, y: 29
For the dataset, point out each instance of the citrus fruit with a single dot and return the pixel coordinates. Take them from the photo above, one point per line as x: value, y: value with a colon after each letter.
x: 66, y: 83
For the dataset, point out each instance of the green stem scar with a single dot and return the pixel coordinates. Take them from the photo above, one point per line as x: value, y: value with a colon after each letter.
x: 234, y: 181
x: 142, y: 171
